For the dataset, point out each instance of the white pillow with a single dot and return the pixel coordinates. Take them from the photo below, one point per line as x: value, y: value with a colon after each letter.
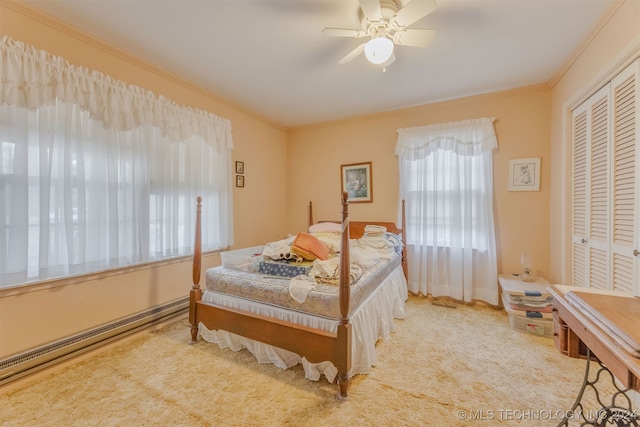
x: 323, y: 227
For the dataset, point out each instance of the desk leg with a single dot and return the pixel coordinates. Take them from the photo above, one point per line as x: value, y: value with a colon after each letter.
x: 618, y: 413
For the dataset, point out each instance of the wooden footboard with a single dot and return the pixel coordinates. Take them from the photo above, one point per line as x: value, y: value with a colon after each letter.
x: 313, y: 344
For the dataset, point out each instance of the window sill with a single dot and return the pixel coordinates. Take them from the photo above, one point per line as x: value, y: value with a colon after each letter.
x: 36, y: 286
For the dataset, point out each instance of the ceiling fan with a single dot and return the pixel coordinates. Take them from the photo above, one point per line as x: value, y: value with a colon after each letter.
x: 385, y: 23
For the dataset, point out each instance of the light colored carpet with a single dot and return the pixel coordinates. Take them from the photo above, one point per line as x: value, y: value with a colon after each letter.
x: 441, y: 366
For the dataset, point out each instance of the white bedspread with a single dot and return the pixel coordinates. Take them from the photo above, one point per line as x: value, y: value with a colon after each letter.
x: 371, y: 321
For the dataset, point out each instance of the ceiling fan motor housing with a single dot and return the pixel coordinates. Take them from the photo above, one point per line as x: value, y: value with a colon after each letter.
x: 384, y: 26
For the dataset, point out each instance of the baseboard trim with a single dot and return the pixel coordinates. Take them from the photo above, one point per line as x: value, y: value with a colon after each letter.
x: 32, y: 361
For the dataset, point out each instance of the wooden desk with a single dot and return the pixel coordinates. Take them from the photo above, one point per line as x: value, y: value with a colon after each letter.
x: 574, y: 333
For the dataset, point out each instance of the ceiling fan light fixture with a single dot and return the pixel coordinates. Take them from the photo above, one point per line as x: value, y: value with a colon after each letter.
x: 378, y: 50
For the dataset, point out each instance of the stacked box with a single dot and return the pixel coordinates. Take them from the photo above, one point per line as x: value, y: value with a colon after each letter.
x: 528, y: 304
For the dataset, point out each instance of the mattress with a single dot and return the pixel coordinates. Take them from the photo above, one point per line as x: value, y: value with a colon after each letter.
x: 321, y: 301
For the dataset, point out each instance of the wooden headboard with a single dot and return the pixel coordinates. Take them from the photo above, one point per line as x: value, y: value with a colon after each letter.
x: 356, y: 228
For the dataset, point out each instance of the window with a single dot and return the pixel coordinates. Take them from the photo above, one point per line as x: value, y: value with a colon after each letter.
x: 449, y: 199
x: 446, y: 179
x: 102, y: 175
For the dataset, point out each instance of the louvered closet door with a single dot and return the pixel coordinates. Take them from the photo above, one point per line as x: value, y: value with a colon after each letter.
x: 625, y: 93
x: 591, y: 191
x: 606, y: 192
x: 579, y: 232
x: 598, y: 196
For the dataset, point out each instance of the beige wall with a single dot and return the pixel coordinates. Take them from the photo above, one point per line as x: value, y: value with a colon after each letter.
x: 612, y: 46
x: 49, y: 311
x: 522, y: 127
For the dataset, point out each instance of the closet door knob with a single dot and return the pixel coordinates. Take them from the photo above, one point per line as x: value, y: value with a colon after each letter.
x: 584, y: 240
x: 635, y: 252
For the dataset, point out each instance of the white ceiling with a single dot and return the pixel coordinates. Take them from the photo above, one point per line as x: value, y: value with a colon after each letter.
x: 270, y: 56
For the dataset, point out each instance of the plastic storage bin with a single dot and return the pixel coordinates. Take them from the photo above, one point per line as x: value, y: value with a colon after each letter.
x: 528, y: 304
x: 534, y: 313
x: 517, y: 302
x: 514, y: 286
x: 542, y: 327
x: 246, y: 259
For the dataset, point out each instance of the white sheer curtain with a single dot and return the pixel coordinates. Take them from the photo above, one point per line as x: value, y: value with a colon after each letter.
x: 446, y: 178
x: 96, y: 174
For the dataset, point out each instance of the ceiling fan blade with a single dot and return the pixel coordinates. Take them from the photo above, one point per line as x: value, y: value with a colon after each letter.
x: 343, y: 32
x: 413, y: 11
x: 351, y: 55
x: 371, y: 9
x: 414, y: 37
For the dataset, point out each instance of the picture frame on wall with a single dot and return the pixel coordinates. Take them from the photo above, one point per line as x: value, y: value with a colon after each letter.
x: 524, y: 174
x: 239, y: 180
x: 240, y: 167
x: 357, y: 182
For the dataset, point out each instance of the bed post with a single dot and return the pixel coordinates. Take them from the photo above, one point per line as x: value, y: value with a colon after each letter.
x: 344, y: 328
x: 310, y: 213
x: 404, y: 242
x: 196, y: 293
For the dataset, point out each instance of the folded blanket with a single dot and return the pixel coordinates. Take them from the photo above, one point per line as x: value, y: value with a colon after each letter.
x: 375, y: 237
x: 374, y: 230
x: 331, y: 240
x: 328, y: 271
x: 279, y: 249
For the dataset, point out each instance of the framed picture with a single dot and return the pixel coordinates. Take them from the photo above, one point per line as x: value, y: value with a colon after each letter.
x: 239, y: 180
x: 357, y: 182
x: 524, y: 174
x: 240, y: 167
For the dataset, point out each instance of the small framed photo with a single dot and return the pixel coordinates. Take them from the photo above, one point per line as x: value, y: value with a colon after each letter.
x: 357, y: 182
x: 240, y: 167
x: 239, y: 180
x: 524, y: 174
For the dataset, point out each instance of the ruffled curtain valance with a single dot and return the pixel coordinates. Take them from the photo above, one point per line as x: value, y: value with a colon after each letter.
x: 33, y: 78
x: 467, y: 138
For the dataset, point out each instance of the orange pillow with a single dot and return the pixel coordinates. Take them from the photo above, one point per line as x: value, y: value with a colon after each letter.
x: 309, y: 247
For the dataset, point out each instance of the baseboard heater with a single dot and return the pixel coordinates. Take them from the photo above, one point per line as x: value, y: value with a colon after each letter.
x: 40, y: 358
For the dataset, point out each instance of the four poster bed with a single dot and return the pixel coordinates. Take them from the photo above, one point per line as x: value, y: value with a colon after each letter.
x: 329, y: 327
